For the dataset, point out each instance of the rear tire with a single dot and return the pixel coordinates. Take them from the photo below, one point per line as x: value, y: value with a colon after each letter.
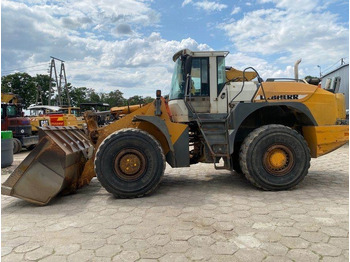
x: 274, y: 157
x: 17, y: 145
x: 130, y: 163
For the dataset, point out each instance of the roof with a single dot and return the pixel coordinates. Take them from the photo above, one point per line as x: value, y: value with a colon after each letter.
x: 199, y: 53
x: 53, y: 108
x: 340, y: 67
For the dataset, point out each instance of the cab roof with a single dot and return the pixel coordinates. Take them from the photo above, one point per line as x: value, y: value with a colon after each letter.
x: 199, y: 53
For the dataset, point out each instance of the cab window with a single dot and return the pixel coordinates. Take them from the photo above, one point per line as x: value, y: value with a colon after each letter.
x: 11, y: 111
x: 200, y: 77
x: 220, y: 61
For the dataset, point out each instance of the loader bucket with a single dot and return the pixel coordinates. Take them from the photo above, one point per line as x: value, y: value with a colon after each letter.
x: 54, y: 166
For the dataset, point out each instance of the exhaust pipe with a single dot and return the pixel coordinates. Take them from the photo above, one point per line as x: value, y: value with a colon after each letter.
x: 296, y: 70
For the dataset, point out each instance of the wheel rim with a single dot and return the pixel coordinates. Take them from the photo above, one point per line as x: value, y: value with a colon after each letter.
x: 278, y: 160
x: 129, y: 164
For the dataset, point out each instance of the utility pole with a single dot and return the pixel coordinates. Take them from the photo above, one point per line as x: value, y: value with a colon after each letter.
x: 63, y: 76
x: 320, y: 70
x: 53, y: 70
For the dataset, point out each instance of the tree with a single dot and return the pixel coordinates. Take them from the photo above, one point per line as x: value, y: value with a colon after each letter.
x: 93, y: 97
x: 42, y: 83
x: 115, y: 98
x: 148, y: 99
x: 21, y: 84
x: 136, y: 100
x: 78, y: 95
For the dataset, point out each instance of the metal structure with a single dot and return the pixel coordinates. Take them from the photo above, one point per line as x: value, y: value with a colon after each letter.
x: 58, y: 81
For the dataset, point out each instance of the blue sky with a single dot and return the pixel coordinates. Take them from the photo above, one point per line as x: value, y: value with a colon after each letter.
x: 128, y: 44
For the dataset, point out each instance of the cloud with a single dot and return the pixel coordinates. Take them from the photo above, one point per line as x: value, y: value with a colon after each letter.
x: 186, y: 2
x: 208, y: 6
x: 287, y: 33
x: 98, y: 54
x: 123, y: 29
x: 236, y: 10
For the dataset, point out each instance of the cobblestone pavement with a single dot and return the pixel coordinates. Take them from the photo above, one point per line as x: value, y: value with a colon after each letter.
x: 197, y: 213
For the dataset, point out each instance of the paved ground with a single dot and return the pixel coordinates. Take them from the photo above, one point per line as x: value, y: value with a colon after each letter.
x: 196, y: 214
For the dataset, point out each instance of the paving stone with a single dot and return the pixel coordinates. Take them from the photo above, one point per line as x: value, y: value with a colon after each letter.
x: 39, y: 253
x: 66, y: 249
x: 275, y: 249
x: 277, y: 259
x: 181, y: 234
x: 81, y: 256
x: 53, y: 258
x: 12, y: 257
x: 302, y: 255
x: 199, y: 254
x: 176, y: 257
x: 247, y: 242
x: 342, y: 243
x: 27, y: 247
x: 224, y: 248
x: 201, y: 241
x: 326, y: 249
x: 108, y: 250
x: 288, y: 231
x: 177, y: 247
x: 127, y: 256
x: 248, y: 255
x: 294, y: 242
x: 315, y: 237
x: 6, y: 250
x: 335, y: 231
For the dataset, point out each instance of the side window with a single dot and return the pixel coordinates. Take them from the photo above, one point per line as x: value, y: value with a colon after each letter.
x: 220, y: 61
x: 336, y: 84
x: 200, y: 77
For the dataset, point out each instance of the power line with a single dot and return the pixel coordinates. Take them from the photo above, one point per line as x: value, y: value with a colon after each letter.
x: 16, y: 69
x: 325, y: 70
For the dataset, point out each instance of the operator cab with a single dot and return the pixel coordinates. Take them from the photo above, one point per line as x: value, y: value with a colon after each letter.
x: 204, y: 83
x: 201, y: 79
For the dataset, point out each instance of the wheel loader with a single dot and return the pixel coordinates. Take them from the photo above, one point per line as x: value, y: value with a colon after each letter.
x: 266, y: 130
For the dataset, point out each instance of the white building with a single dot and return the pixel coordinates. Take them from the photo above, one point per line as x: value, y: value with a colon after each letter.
x: 337, y: 81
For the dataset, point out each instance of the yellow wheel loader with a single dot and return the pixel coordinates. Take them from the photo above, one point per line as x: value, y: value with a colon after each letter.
x: 266, y: 130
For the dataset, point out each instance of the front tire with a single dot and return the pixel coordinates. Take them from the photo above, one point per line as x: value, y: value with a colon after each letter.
x: 130, y: 163
x: 17, y: 145
x: 274, y: 157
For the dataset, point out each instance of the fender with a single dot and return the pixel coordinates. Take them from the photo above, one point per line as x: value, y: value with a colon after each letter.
x: 176, y: 157
x: 243, y: 110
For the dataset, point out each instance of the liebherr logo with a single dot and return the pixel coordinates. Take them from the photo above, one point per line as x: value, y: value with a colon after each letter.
x: 283, y: 97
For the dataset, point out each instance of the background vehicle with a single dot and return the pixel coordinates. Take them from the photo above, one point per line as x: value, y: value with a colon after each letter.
x: 43, y: 115
x: 12, y: 119
x: 266, y: 130
x: 101, y: 111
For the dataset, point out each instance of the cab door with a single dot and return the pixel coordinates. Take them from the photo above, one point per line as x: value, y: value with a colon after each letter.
x: 200, y: 89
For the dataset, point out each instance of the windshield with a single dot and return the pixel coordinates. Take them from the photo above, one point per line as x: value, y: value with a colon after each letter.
x: 178, y: 81
x: 75, y: 112
x: 11, y: 111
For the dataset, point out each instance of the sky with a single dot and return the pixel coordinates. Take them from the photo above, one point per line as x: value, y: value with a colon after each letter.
x: 129, y: 44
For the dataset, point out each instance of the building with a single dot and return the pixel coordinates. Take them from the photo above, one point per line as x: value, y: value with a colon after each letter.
x: 337, y: 81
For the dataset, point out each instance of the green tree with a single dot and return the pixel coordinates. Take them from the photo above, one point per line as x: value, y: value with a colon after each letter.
x: 21, y: 84
x: 42, y: 83
x: 136, y: 100
x: 148, y: 99
x: 92, y: 96
x: 115, y: 98
x: 78, y: 95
